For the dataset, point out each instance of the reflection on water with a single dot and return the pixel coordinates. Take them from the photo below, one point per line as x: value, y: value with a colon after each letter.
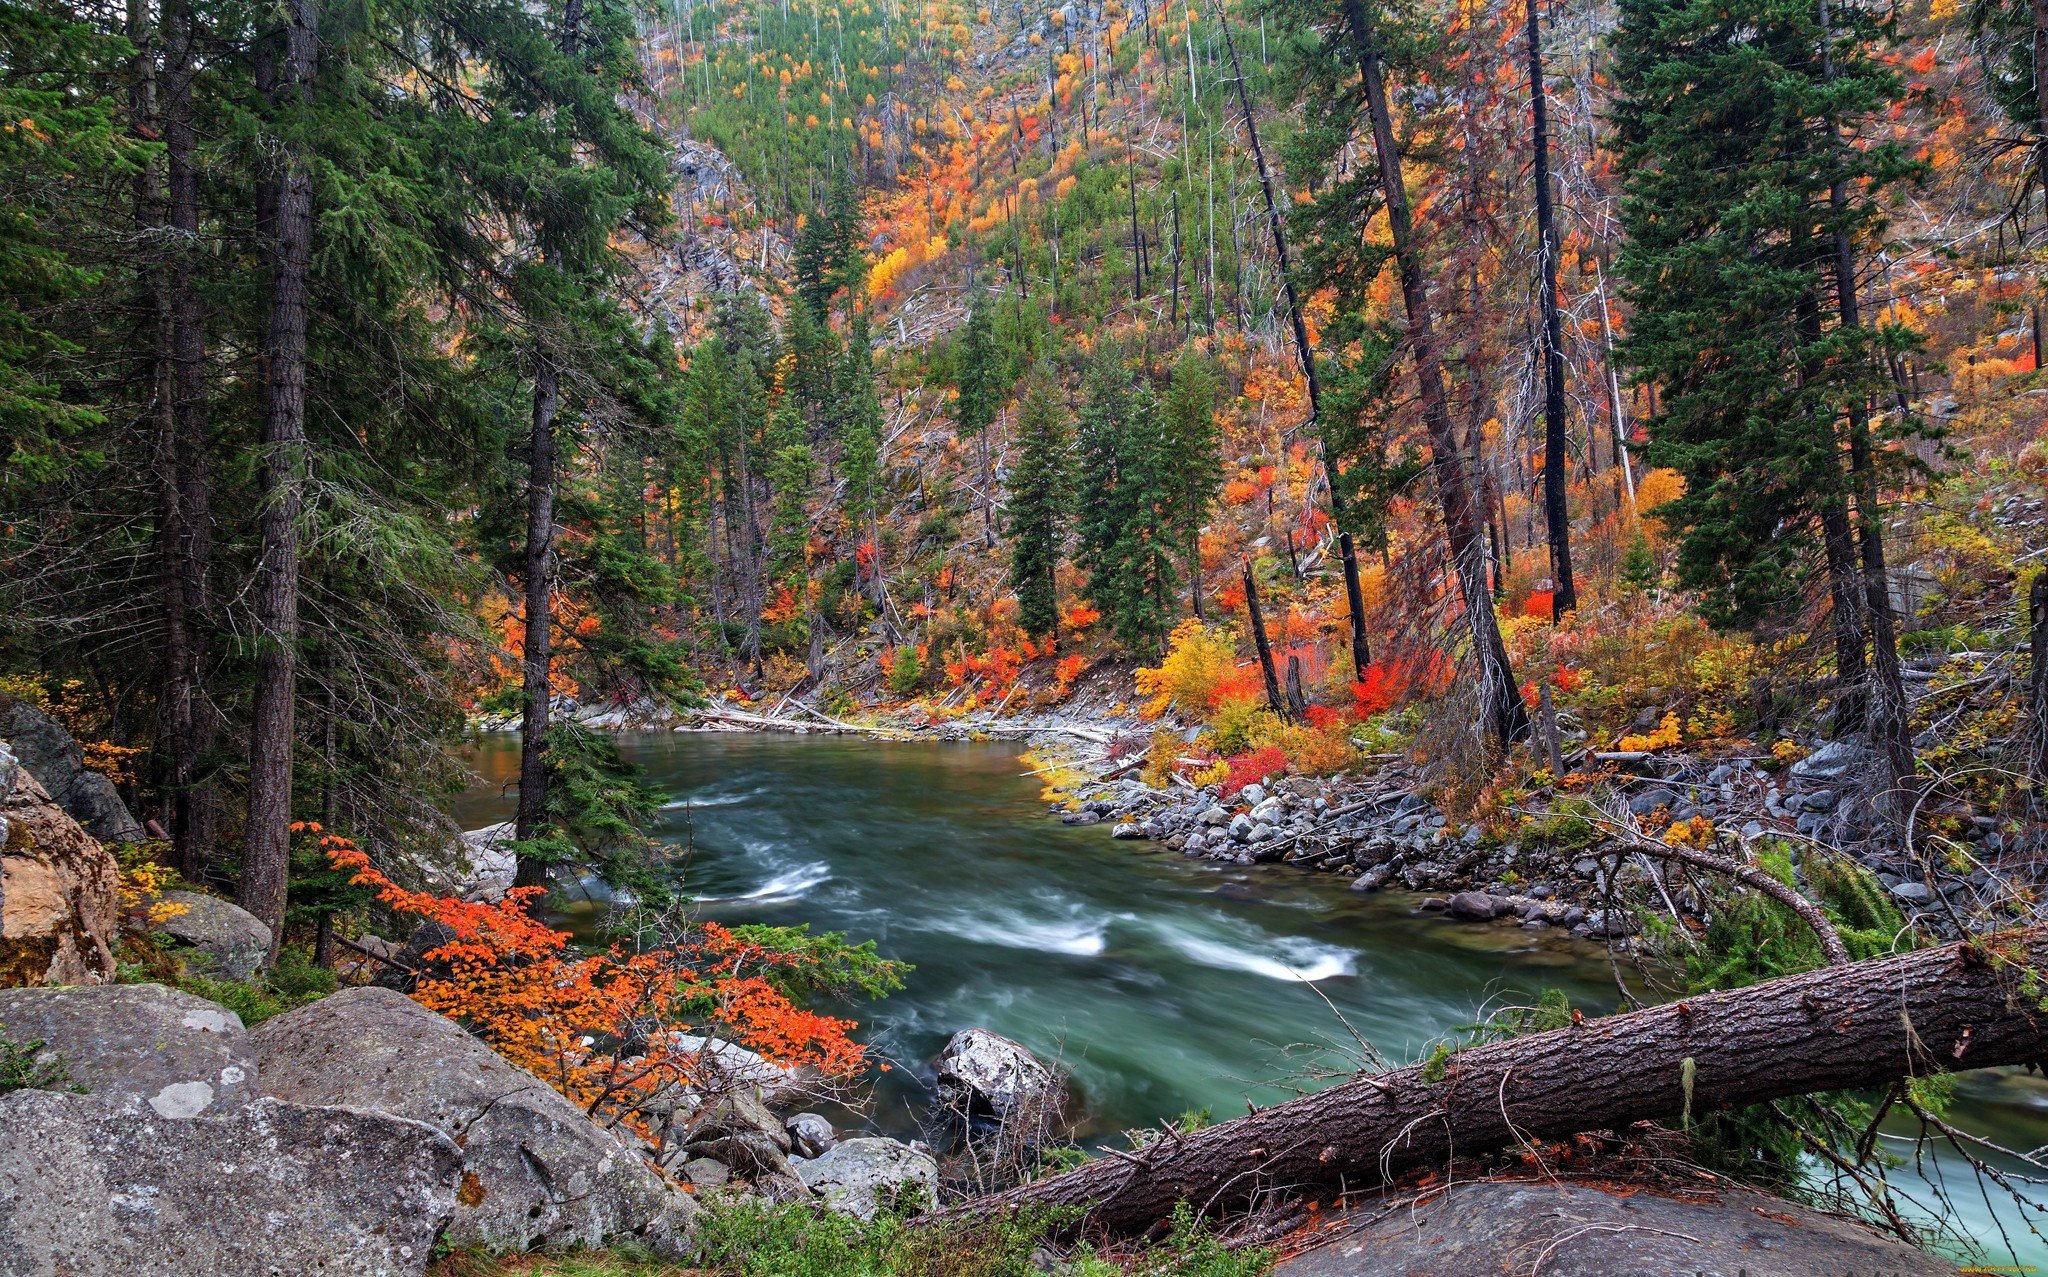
x: 1159, y: 984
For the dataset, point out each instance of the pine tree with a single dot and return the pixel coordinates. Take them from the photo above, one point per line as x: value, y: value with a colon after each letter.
x: 1747, y: 208
x: 1189, y: 441
x: 859, y: 427
x: 1127, y: 530
x: 1347, y: 51
x: 1039, y: 508
x: 978, y: 378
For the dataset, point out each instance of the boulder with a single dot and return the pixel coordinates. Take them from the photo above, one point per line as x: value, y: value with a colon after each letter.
x: 811, y: 1134
x: 1563, y: 1228
x: 739, y: 1131
x: 724, y: 1067
x: 489, y: 864
x: 10, y: 767
x: 48, y: 753
x: 1912, y: 893
x: 180, y: 1054
x: 235, y: 943
x: 1471, y: 906
x: 862, y: 1177
x: 987, y: 1073
x: 58, y: 892
x: 536, y: 1171
x: 1835, y: 764
x: 100, y: 1187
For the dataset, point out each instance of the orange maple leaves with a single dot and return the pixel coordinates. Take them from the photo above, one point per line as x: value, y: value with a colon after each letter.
x: 611, y: 1029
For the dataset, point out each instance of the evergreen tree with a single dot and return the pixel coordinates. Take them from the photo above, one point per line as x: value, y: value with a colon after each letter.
x: 1747, y: 209
x: 859, y: 426
x: 1041, y: 496
x: 1126, y: 526
x: 1189, y: 440
x: 978, y: 378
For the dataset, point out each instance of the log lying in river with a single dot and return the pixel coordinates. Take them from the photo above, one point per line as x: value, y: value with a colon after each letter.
x: 1865, y: 1024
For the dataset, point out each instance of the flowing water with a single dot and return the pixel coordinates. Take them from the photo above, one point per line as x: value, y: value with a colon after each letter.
x: 1159, y: 984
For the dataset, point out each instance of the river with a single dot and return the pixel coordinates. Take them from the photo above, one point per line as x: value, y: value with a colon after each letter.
x: 1159, y: 984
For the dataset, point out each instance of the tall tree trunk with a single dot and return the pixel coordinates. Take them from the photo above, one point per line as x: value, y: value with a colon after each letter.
x: 188, y: 720
x: 2037, y: 687
x: 284, y: 74
x: 1845, y: 616
x: 1347, y: 549
x: 1886, y: 713
x: 1848, y: 1027
x: 1556, y: 517
x: 1259, y: 643
x: 535, y: 665
x: 1505, y: 718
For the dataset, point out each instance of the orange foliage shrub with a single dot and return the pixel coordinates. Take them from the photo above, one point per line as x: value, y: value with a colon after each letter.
x: 564, y: 1015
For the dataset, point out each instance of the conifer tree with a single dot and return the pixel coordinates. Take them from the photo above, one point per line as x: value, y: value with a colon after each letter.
x: 1746, y: 209
x: 1039, y: 508
x: 1193, y: 475
x: 1348, y: 51
x: 859, y: 427
x: 978, y: 378
x: 1127, y: 536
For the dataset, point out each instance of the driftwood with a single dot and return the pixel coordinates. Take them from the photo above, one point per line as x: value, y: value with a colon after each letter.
x: 1866, y: 1024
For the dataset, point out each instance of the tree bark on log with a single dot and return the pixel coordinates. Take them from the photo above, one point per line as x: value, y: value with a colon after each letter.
x: 1842, y: 1027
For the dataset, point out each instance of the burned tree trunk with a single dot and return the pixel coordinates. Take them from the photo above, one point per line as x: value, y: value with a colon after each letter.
x: 1844, y: 1027
x: 1556, y: 518
x: 1347, y: 549
x: 535, y: 662
x: 1265, y: 649
x: 1506, y: 719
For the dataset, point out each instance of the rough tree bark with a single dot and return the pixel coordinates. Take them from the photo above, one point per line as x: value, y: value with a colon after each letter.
x: 538, y: 642
x: 1885, y: 710
x: 1265, y: 649
x: 2037, y: 684
x: 1347, y: 548
x: 188, y: 721
x: 1505, y: 717
x: 1556, y: 517
x: 284, y: 73
x: 1843, y: 1027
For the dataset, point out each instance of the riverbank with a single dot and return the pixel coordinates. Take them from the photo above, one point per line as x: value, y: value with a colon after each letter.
x: 1581, y: 855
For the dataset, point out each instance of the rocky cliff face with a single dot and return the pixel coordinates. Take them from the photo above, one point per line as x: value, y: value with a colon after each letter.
x: 53, y: 757
x: 57, y: 889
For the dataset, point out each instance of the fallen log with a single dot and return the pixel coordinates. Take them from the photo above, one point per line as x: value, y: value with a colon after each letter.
x: 1866, y: 1024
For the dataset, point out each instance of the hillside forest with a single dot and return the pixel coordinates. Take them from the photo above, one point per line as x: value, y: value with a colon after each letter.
x: 1516, y: 391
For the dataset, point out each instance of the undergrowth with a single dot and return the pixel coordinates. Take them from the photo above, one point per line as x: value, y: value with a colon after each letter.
x: 757, y: 1239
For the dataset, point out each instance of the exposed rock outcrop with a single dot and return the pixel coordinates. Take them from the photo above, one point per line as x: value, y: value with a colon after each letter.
x: 536, y: 1171
x: 235, y: 942
x: 1567, y: 1229
x: 861, y: 1177
x: 49, y: 753
x: 490, y: 866
x: 179, y: 1054
x: 100, y: 1187
x: 58, y: 891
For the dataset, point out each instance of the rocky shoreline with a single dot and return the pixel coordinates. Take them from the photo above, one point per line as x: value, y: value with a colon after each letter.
x: 1382, y: 827
x: 1385, y: 832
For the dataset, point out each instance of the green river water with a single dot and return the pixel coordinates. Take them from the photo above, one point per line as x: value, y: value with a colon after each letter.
x: 1159, y: 984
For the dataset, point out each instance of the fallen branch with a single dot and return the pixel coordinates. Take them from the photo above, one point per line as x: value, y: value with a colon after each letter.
x: 1863, y: 1024
x: 1756, y: 879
